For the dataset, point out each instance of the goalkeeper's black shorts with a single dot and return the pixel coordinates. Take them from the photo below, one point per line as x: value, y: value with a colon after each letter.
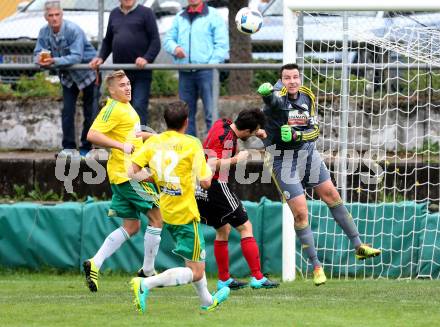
x: 219, y: 206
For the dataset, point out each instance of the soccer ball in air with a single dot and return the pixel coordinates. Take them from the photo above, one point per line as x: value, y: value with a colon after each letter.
x: 248, y: 21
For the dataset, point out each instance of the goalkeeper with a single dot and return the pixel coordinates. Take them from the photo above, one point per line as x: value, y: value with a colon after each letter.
x: 292, y: 129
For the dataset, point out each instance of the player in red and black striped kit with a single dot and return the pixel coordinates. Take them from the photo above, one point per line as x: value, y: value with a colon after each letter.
x: 220, y: 208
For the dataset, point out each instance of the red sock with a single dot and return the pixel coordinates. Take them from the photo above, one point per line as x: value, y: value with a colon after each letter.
x: 251, y: 253
x: 222, y: 257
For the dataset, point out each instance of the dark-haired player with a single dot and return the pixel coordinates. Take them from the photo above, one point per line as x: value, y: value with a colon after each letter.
x: 219, y: 206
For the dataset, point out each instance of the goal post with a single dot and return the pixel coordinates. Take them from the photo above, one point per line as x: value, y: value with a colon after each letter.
x: 375, y: 70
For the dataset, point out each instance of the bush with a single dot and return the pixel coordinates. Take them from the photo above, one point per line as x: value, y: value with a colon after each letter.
x: 429, y: 148
x: 5, y: 90
x: 165, y: 83
x: 37, y: 86
x: 263, y: 76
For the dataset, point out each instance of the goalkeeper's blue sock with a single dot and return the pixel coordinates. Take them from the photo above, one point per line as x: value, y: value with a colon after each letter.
x: 305, y: 236
x: 345, y: 220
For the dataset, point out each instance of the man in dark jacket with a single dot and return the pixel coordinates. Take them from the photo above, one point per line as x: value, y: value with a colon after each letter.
x: 132, y: 35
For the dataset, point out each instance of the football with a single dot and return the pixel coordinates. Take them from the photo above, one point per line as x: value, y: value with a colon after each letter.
x: 248, y: 21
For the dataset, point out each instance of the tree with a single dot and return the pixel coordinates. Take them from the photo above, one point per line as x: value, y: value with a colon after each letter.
x: 240, y: 52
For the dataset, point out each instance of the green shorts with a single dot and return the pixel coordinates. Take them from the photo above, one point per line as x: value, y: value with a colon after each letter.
x: 190, y: 243
x: 130, y: 199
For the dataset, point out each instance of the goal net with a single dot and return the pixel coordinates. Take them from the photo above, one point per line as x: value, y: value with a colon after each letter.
x: 376, y: 77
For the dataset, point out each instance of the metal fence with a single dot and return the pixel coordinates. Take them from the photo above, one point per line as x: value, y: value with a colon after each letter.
x: 18, y: 32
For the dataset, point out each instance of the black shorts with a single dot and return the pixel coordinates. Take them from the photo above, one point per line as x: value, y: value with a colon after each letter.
x: 219, y: 206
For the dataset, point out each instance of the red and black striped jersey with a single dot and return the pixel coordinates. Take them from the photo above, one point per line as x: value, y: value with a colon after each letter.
x: 221, y: 142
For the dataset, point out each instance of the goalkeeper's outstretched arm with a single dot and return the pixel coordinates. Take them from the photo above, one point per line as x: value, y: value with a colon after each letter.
x: 266, y: 92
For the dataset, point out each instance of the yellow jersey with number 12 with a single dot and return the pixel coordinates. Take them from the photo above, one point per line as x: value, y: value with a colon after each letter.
x: 177, y: 161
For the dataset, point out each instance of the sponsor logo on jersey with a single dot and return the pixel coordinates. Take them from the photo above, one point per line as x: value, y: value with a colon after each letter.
x: 298, y: 118
x: 170, y: 189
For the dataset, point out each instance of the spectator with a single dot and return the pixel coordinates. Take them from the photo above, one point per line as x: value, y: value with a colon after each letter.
x: 132, y: 35
x: 198, y: 36
x: 68, y: 45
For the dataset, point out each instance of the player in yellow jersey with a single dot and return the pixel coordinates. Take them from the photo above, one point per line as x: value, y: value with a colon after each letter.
x: 177, y: 163
x: 117, y: 126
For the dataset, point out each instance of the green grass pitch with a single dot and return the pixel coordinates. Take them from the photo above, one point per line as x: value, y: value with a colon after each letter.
x: 44, y: 299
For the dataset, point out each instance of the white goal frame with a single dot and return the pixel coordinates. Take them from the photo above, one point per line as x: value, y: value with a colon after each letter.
x: 290, y: 21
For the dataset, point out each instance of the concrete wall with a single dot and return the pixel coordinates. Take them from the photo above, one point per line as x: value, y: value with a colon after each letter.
x: 380, y: 124
x: 36, y: 124
x: 30, y: 124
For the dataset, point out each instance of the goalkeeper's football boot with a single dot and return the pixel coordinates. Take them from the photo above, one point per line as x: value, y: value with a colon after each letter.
x: 319, y: 276
x: 262, y: 283
x: 141, y: 273
x: 140, y: 294
x: 232, y: 283
x: 364, y: 251
x: 92, y: 274
x: 217, y: 298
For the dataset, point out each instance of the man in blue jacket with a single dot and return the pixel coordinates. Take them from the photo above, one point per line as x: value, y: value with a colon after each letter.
x: 133, y: 38
x: 68, y: 45
x: 198, y: 36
